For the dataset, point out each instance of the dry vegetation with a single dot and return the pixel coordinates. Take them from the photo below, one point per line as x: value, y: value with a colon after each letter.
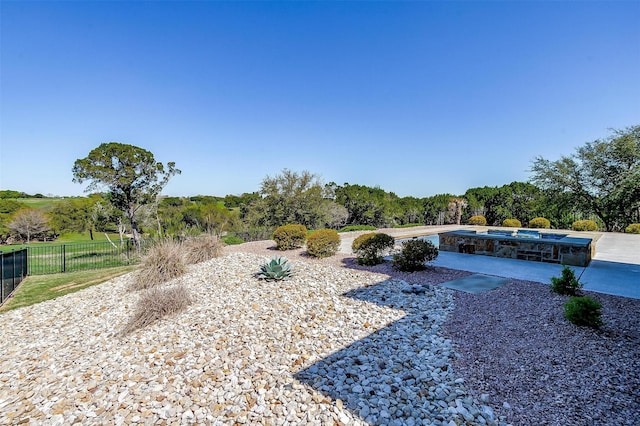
x: 202, y: 248
x: 156, y: 303
x: 163, y: 262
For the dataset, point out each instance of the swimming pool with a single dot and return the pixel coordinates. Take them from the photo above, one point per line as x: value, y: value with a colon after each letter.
x: 433, y: 238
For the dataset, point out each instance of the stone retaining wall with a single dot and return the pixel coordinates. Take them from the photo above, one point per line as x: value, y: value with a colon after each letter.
x: 567, y: 251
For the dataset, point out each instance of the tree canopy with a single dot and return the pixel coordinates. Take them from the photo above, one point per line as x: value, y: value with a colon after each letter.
x: 130, y: 174
x: 29, y: 224
x: 292, y: 197
x: 602, y: 176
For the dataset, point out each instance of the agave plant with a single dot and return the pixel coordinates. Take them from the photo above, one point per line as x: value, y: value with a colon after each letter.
x: 278, y: 268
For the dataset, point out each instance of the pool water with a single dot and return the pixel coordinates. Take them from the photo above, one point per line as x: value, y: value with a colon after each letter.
x: 524, y: 233
x: 434, y: 239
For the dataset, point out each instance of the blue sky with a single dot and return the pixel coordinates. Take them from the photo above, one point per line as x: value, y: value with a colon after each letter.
x: 418, y: 98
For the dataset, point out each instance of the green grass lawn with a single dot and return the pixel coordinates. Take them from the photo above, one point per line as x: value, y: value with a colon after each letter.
x: 36, y: 289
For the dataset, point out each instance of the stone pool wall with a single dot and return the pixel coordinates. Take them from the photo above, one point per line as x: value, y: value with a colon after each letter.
x: 566, y: 250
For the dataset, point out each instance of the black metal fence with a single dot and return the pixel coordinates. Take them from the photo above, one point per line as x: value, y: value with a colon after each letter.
x: 13, y: 269
x: 80, y: 256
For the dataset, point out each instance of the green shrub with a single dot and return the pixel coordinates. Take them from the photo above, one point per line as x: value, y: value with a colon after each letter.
x: 371, y: 249
x: 156, y: 303
x: 277, y: 269
x: 202, y: 248
x: 323, y: 243
x: 289, y: 237
x: 584, y: 225
x: 232, y: 239
x: 357, y: 242
x: 539, y: 222
x: 567, y: 283
x: 583, y: 311
x: 350, y: 228
x: 512, y: 223
x: 634, y: 228
x: 414, y: 254
x: 163, y: 262
x: 477, y: 220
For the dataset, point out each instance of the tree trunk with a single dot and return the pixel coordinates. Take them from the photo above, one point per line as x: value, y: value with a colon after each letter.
x: 135, y: 231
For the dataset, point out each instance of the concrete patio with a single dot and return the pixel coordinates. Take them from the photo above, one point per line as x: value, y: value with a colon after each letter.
x: 615, y: 268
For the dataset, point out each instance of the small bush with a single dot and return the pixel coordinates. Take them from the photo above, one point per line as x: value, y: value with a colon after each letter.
x: 477, y: 220
x: 539, y: 222
x: 372, y: 249
x: 289, y: 237
x: 350, y: 228
x: 232, y: 240
x: 634, y: 228
x: 202, y: 248
x: 163, y: 262
x: 584, y: 311
x: 567, y: 283
x: 584, y: 225
x: 157, y: 303
x: 323, y: 243
x: 511, y: 223
x: 414, y: 254
x: 357, y: 242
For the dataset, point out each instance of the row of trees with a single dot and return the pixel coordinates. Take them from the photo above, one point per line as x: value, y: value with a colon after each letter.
x: 601, y: 180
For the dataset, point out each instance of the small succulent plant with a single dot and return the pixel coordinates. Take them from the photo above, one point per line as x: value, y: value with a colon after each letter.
x: 277, y: 269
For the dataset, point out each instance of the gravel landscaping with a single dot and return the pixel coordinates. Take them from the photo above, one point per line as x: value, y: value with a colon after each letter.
x: 336, y: 344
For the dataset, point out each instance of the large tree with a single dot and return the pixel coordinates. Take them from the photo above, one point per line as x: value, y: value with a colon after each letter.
x: 130, y: 174
x: 517, y: 200
x: 367, y: 205
x: 602, y: 177
x: 292, y: 197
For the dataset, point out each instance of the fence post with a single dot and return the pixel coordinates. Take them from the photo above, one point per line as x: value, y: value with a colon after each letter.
x: 1, y: 277
x: 64, y: 258
x: 13, y: 279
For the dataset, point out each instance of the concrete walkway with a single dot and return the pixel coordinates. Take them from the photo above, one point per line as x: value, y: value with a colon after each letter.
x: 615, y: 268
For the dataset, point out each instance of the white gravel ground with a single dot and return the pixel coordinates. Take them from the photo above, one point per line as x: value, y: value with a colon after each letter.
x: 337, y: 344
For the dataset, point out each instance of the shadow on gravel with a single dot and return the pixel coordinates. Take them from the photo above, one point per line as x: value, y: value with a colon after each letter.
x: 387, y: 375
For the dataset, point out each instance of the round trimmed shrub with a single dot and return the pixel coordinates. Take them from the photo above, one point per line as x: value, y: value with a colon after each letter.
x: 634, y: 228
x: 584, y: 311
x: 584, y: 225
x: 512, y: 223
x: 477, y: 220
x: 323, y: 243
x: 290, y: 236
x: 371, y: 250
x: 357, y: 242
x: 539, y: 222
x: 414, y: 254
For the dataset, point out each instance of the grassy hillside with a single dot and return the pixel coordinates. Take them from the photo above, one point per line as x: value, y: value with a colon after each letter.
x: 45, y: 204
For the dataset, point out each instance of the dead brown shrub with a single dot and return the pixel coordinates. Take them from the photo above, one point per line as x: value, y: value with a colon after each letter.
x: 163, y: 262
x: 202, y: 248
x: 156, y: 303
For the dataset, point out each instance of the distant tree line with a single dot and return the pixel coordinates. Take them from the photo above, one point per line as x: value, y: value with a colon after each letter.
x: 601, y: 181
